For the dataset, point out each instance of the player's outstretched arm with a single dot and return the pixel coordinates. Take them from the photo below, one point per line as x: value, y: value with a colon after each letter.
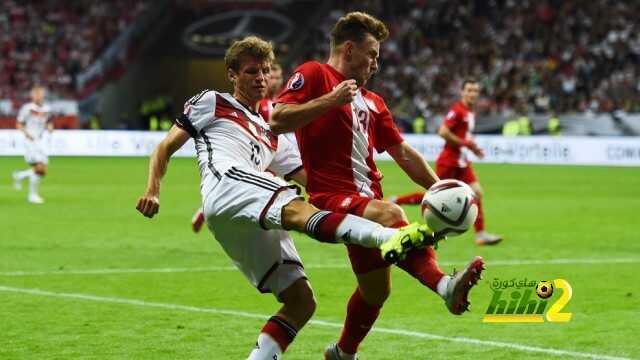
x: 452, y: 138
x: 149, y: 203
x: 413, y: 164
x: 289, y: 117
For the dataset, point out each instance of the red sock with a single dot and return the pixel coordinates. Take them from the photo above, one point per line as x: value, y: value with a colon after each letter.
x: 323, y: 225
x: 422, y: 264
x: 479, y: 224
x: 410, y: 199
x: 360, y: 318
x: 280, y: 331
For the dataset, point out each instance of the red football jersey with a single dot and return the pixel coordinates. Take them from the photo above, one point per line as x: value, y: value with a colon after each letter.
x: 461, y: 121
x: 337, y: 147
x: 265, y: 108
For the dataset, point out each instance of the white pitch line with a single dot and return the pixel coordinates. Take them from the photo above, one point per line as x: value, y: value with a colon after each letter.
x: 313, y: 266
x: 401, y: 332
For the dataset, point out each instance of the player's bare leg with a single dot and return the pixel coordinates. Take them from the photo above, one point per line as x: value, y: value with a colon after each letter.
x: 280, y: 330
x: 482, y: 237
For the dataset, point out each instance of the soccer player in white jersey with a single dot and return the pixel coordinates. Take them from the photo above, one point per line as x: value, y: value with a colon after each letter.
x: 249, y: 208
x: 265, y: 106
x: 33, y: 120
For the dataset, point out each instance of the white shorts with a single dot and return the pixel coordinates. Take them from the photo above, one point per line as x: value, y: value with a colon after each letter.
x: 244, y: 211
x: 34, y: 152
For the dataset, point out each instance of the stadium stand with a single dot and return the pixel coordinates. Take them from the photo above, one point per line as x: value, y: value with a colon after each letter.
x: 579, y: 60
x: 50, y: 42
x: 533, y: 56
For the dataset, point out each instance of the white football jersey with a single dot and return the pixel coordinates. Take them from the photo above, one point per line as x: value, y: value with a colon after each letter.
x: 34, y: 118
x: 227, y: 134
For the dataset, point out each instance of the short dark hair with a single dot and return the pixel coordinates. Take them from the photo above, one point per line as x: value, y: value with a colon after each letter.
x: 250, y: 46
x: 355, y: 26
x: 468, y: 80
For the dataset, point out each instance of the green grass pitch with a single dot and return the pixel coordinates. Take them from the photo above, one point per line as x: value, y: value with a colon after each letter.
x: 84, y: 276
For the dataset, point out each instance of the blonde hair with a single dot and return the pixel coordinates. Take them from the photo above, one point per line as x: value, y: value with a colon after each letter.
x: 37, y: 87
x: 250, y: 46
x: 355, y: 26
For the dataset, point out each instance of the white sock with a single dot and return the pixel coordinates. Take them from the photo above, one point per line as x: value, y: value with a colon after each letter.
x: 442, y: 285
x: 360, y: 231
x: 331, y: 227
x: 34, y: 181
x: 21, y: 175
x: 266, y: 349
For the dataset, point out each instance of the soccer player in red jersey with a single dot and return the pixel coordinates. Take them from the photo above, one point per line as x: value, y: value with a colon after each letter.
x: 338, y: 124
x: 453, y: 162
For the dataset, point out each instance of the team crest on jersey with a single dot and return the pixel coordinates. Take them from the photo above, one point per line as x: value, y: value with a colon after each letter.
x: 451, y: 114
x: 296, y: 81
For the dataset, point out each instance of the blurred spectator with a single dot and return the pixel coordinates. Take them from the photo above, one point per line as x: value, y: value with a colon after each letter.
x: 49, y: 42
x: 565, y: 56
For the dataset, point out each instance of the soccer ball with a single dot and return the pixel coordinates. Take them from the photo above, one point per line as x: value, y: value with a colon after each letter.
x: 544, y: 289
x: 449, y: 207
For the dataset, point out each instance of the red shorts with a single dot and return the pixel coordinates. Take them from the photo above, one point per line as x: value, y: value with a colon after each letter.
x: 363, y: 259
x: 465, y: 174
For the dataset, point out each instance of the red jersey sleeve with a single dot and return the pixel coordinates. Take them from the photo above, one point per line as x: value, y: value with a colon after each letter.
x: 303, y: 85
x: 452, y: 118
x: 385, y: 132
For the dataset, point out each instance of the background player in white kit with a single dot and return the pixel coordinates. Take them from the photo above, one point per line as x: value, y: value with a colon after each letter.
x: 248, y: 208
x: 33, y: 120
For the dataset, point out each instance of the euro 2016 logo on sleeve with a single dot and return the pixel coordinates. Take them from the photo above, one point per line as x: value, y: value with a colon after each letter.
x: 296, y: 81
x: 522, y: 301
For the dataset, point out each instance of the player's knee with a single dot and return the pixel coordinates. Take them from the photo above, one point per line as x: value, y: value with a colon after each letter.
x: 384, y: 213
x: 376, y: 295
x: 396, y: 214
x: 391, y: 214
x: 302, y: 299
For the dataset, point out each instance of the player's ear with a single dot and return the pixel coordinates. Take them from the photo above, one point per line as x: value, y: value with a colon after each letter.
x: 347, y: 49
x: 231, y: 75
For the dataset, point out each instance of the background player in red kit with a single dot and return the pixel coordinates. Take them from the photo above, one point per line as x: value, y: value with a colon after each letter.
x: 338, y: 124
x: 453, y: 162
x: 265, y: 106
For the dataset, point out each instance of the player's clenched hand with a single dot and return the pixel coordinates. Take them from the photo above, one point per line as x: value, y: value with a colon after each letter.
x: 148, y: 205
x: 344, y: 93
x: 471, y: 145
x: 478, y: 152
